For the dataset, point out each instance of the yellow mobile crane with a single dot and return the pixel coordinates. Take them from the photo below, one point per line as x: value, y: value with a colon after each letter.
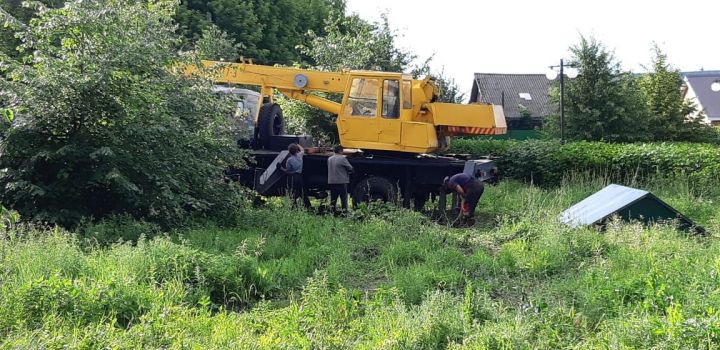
x: 380, y: 111
x: 393, y: 118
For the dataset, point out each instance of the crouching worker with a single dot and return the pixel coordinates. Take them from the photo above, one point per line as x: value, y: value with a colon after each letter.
x: 293, y: 168
x: 470, y: 190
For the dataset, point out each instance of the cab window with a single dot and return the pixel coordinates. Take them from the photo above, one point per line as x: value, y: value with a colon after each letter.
x: 407, y: 94
x: 391, y: 99
x: 362, y: 100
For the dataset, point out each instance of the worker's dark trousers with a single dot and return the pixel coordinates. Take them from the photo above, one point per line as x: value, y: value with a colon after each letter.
x: 297, y: 190
x: 339, y: 190
x: 473, y: 192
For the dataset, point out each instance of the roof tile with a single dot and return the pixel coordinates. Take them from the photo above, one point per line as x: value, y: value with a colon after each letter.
x: 490, y: 88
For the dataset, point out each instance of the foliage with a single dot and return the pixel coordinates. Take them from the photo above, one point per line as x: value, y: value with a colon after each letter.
x: 519, y: 280
x: 118, y: 229
x: 346, y: 42
x: 447, y: 86
x: 102, y: 126
x: 9, y: 219
x: 662, y: 90
x: 13, y: 16
x: 303, y: 119
x: 669, y: 111
x: 548, y: 162
x: 268, y: 31
x: 449, y: 90
x: 605, y: 104
x: 350, y: 42
x: 602, y: 103
x: 215, y: 45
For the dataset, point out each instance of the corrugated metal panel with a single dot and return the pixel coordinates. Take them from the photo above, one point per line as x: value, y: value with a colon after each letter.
x: 601, y: 204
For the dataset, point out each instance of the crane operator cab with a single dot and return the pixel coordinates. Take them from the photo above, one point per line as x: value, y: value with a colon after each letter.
x: 372, y: 112
x: 394, y: 112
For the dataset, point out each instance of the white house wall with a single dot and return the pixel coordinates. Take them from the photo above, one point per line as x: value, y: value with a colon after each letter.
x: 691, y: 96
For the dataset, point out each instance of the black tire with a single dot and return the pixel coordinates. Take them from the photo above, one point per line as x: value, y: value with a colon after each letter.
x: 374, y: 188
x: 419, y: 200
x: 270, y: 123
x: 244, y: 143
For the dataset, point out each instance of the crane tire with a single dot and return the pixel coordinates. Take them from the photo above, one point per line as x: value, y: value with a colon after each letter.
x: 419, y: 200
x: 270, y: 123
x: 374, y: 188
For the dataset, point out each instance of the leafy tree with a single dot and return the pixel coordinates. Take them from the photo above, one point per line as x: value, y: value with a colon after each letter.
x: 669, y: 112
x: 350, y: 42
x: 215, y: 45
x: 449, y: 90
x: 602, y: 103
x: 447, y: 86
x: 269, y: 30
x: 661, y: 86
x: 8, y: 42
x: 353, y: 43
x: 13, y: 15
x: 526, y: 118
x: 303, y: 119
x: 102, y: 125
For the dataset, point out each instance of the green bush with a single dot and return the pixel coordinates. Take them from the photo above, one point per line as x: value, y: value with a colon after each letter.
x: 227, y: 280
x: 79, y: 301
x: 118, y: 228
x: 548, y: 162
x: 102, y: 125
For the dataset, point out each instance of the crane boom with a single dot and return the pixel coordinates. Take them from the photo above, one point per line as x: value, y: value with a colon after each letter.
x: 282, y: 78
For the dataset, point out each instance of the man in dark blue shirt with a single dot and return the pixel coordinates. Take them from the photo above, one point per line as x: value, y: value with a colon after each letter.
x: 469, y: 189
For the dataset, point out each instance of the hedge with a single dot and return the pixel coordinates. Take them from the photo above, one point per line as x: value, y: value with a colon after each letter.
x: 546, y: 162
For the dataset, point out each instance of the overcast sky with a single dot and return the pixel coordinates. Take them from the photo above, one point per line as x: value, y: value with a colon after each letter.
x: 526, y: 36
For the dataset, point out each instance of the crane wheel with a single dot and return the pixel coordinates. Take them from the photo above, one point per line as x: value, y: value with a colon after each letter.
x: 419, y: 200
x: 374, y: 188
x: 270, y: 123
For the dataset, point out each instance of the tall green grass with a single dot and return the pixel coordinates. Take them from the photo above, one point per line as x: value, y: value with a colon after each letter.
x: 287, y: 279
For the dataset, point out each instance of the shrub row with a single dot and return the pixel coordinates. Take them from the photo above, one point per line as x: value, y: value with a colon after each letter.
x: 547, y: 162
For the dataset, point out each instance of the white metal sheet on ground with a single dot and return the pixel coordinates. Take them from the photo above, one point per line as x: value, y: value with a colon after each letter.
x: 601, y: 204
x: 273, y: 167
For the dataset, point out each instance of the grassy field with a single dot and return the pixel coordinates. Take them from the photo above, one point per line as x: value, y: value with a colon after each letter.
x: 382, y: 278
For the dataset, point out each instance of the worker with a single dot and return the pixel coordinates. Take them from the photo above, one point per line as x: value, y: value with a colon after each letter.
x: 293, y: 168
x: 339, y: 170
x: 470, y: 190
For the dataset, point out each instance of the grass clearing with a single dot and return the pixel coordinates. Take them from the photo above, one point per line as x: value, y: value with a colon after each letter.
x: 286, y: 279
